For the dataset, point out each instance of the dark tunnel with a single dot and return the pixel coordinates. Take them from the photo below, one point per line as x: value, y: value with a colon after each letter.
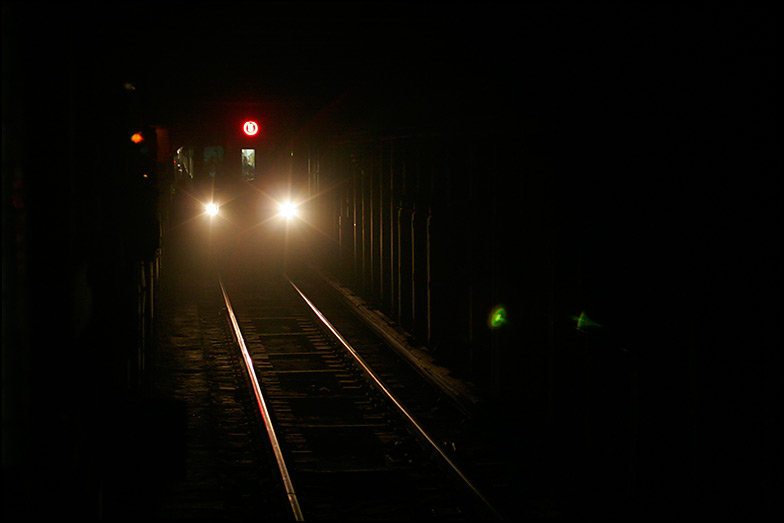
x: 574, y: 207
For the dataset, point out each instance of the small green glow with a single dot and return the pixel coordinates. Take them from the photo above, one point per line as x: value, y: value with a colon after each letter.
x: 498, y: 317
x: 584, y: 321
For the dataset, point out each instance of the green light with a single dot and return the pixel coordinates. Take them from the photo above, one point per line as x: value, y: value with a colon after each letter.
x: 497, y: 317
x: 584, y: 321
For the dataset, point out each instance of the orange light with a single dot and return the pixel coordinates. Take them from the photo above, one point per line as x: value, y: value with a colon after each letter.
x: 250, y: 127
x: 137, y: 138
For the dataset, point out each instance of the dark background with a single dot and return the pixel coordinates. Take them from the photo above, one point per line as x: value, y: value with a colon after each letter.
x: 656, y: 124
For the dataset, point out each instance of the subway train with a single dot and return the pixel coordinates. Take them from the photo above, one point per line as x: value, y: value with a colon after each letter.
x: 233, y: 194
x: 590, y: 236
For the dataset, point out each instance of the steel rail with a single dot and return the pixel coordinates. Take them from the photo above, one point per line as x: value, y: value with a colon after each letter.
x: 409, y: 417
x: 284, y: 473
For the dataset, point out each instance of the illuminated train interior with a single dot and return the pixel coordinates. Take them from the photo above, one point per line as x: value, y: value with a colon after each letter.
x: 562, y: 218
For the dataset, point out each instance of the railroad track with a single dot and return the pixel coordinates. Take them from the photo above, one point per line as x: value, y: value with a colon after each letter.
x: 346, y: 446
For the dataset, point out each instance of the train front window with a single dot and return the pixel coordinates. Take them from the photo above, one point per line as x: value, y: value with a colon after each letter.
x: 248, y: 164
x: 213, y: 158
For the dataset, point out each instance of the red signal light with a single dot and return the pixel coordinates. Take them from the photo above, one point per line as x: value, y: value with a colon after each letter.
x: 251, y: 128
x: 137, y: 138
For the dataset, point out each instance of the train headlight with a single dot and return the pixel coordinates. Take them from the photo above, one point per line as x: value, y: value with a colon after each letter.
x: 212, y: 209
x: 287, y: 210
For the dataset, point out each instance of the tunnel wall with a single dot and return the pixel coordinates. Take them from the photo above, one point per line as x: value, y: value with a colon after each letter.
x: 439, y: 230
x: 623, y: 250
x: 80, y: 248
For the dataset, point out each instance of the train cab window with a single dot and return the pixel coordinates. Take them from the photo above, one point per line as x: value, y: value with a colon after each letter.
x: 184, y: 161
x: 213, y: 158
x: 248, y: 164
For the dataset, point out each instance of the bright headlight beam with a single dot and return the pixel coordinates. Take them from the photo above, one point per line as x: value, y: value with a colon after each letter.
x: 287, y: 210
x: 212, y: 209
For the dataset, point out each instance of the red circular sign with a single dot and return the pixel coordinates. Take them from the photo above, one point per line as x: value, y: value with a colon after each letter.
x: 251, y: 128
